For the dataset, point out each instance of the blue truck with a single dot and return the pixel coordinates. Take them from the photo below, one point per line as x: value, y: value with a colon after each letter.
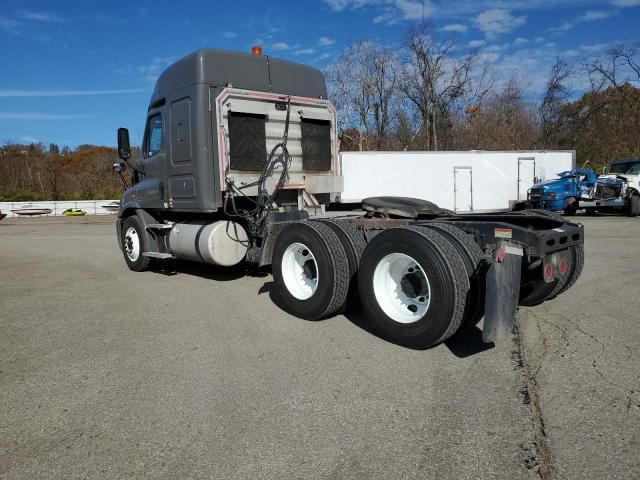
x: 563, y: 193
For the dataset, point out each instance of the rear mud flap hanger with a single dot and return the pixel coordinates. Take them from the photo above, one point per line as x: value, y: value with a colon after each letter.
x: 502, y: 293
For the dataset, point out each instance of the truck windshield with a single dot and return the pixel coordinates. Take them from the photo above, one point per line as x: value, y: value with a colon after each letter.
x: 626, y: 167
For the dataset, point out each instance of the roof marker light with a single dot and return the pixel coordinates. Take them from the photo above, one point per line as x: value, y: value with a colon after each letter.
x: 256, y: 50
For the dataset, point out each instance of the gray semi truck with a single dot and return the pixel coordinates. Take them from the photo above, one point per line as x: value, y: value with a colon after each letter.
x: 239, y: 163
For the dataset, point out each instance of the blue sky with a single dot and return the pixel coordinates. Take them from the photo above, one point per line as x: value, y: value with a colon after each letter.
x: 75, y: 71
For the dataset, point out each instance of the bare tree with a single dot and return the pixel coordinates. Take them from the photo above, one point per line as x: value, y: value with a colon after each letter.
x: 437, y: 82
x: 620, y: 69
x: 556, y: 95
x: 362, y: 85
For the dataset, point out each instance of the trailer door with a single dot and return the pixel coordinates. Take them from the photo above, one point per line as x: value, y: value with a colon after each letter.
x: 463, y: 189
x: 526, y: 174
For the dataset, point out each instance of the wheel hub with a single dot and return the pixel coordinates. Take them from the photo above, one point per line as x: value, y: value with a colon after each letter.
x: 132, y: 244
x: 413, y: 283
x: 401, y: 288
x: 309, y: 269
x: 299, y: 271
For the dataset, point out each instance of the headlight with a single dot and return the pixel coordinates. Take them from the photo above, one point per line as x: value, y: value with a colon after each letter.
x: 552, y: 195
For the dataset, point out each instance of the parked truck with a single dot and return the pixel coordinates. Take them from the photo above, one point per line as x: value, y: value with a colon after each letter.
x: 563, y: 193
x: 616, y: 191
x: 240, y: 164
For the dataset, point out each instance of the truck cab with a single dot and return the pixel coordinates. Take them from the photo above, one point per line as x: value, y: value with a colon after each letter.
x: 563, y: 193
x: 616, y: 191
x: 212, y: 120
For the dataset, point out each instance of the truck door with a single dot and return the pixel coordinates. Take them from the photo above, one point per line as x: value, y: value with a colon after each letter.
x: 181, y: 183
x: 526, y: 174
x: 463, y: 189
x: 151, y: 187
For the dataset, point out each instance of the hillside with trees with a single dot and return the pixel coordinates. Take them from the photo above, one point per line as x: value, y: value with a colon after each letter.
x: 34, y: 172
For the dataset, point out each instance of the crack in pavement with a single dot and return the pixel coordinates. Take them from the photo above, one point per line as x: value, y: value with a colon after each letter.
x: 542, y: 458
x: 565, y: 338
x: 602, y: 345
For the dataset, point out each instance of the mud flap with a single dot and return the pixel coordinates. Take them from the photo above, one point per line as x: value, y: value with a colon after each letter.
x: 503, y: 290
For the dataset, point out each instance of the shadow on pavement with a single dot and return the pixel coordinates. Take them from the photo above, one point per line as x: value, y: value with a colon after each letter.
x: 209, y: 272
x: 468, y: 342
x: 465, y: 343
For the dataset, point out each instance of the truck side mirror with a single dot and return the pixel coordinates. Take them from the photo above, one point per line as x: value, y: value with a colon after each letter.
x: 124, y: 148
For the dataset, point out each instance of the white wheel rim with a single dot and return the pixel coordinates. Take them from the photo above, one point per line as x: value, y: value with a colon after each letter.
x: 404, y: 301
x: 300, y: 271
x: 132, y: 244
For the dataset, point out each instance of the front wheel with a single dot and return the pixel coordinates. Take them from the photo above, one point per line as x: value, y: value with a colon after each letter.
x: 133, y: 244
x: 634, y: 205
x: 570, y: 206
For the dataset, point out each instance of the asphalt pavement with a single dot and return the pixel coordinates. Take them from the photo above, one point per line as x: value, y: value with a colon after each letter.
x: 193, y: 372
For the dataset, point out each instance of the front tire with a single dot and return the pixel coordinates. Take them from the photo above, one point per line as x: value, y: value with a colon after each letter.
x: 634, y: 205
x: 133, y: 244
x: 570, y: 206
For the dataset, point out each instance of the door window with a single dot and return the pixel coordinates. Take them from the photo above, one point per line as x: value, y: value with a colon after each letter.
x: 154, y: 140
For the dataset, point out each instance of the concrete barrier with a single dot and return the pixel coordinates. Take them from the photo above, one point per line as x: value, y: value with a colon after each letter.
x: 92, y: 207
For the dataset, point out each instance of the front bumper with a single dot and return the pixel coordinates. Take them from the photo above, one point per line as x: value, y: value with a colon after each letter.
x: 602, y: 203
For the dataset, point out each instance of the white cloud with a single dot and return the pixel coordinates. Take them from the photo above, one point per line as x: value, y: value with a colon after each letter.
x: 455, y: 27
x: 626, y: 3
x: 280, y: 46
x: 497, y: 48
x: 388, y: 11
x: 412, y: 9
x: 563, y: 27
x: 387, y: 17
x: 594, y: 48
x: 520, y: 41
x: 45, y: 17
x: 588, y: 16
x: 495, y: 21
x: 10, y: 25
x: 539, y: 39
x: 591, y: 15
x: 41, y: 116
x: 476, y: 43
x: 29, y: 139
x: 66, y: 93
x: 153, y: 70
x: 325, y: 41
x: 570, y: 53
x: 490, y: 57
x: 337, y: 5
x: 305, y: 51
x: 229, y: 35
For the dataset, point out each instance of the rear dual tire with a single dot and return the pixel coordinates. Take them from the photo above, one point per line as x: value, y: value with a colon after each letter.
x: 310, y: 271
x: 538, y: 291
x: 353, y: 242
x: 475, y: 266
x: 413, y: 286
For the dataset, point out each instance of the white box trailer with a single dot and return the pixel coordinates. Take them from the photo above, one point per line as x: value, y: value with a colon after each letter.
x: 466, y: 181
